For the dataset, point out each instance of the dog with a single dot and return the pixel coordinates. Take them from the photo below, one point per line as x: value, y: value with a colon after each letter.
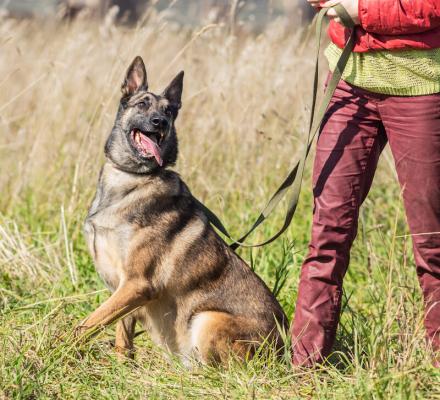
x: 156, y: 251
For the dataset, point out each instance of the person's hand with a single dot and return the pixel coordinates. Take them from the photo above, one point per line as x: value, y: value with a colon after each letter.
x: 352, y: 7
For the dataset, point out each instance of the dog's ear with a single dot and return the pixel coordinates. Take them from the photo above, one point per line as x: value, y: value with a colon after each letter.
x: 135, y: 78
x: 173, y: 92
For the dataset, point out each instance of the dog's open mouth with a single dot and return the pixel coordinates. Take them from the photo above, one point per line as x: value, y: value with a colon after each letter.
x: 147, y: 144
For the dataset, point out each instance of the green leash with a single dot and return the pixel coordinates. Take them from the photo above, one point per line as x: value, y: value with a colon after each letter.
x: 294, y: 179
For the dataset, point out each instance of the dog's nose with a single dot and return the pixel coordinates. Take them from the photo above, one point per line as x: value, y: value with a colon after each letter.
x: 159, y: 122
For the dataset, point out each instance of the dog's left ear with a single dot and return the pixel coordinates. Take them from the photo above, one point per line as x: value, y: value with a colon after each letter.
x: 173, y: 92
x: 135, y: 78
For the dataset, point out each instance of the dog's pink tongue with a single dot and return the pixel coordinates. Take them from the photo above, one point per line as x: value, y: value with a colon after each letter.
x: 152, y: 148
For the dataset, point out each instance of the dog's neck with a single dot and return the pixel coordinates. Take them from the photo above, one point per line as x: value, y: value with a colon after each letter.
x: 113, y: 176
x: 156, y: 172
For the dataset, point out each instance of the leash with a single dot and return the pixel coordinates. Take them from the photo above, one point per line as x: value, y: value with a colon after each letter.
x: 294, y: 179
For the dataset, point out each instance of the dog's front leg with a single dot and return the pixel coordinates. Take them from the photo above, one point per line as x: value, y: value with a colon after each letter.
x: 129, y: 296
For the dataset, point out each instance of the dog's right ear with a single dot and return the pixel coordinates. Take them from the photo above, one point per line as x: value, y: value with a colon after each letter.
x: 135, y: 78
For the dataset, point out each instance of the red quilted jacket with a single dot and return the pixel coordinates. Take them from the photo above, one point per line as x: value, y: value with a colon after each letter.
x: 393, y: 25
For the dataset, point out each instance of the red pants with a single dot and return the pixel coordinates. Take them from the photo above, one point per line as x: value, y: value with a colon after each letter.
x: 358, y: 124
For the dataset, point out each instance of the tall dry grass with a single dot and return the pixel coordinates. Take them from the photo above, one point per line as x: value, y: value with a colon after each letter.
x: 60, y: 84
x: 244, y: 102
x: 244, y: 107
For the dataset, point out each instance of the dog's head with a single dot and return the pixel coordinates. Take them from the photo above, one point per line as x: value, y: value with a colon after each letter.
x: 143, y: 137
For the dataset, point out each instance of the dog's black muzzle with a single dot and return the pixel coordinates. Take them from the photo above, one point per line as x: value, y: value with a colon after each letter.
x: 159, y: 122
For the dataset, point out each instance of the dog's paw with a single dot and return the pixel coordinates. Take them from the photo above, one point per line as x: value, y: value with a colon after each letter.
x: 123, y: 354
x: 80, y: 333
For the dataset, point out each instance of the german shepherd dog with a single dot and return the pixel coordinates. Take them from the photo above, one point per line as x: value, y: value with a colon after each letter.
x: 157, y: 253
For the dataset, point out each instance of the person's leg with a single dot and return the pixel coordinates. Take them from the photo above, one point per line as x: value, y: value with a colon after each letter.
x: 348, y: 149
x: 413, y: 129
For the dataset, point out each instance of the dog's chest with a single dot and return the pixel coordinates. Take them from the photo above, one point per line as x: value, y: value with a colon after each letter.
x: 108, y: 237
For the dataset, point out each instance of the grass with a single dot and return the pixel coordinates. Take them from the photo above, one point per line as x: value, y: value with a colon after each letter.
x: 245, y: 108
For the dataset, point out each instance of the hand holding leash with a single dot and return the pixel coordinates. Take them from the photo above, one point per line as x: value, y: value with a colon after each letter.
x: 350, y: 6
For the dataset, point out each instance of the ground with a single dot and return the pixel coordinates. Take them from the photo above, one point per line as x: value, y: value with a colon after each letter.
x: 245, y: 108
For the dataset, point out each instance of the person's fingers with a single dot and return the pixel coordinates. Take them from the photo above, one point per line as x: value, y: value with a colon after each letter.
x: 332, y: 13
x: 347, y: 4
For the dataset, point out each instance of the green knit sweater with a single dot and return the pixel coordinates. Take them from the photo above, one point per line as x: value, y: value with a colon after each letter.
x: 398, y: 73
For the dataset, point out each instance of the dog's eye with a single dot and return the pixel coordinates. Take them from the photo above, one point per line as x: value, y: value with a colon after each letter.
x: 143, y: 104
x: 169, y: 111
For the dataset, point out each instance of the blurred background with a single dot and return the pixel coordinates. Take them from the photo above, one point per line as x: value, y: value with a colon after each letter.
x: 247, y: 79
x: 248, y: 75
x: 254, y: 14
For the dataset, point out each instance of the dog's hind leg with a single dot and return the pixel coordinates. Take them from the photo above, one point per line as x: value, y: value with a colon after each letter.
x: 215, y: 336
x: 125, y: 329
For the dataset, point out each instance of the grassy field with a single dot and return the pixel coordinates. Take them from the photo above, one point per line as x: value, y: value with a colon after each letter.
x: 242, y: 125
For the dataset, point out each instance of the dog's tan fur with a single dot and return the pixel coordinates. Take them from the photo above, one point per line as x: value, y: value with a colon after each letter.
x: 171, y: 272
